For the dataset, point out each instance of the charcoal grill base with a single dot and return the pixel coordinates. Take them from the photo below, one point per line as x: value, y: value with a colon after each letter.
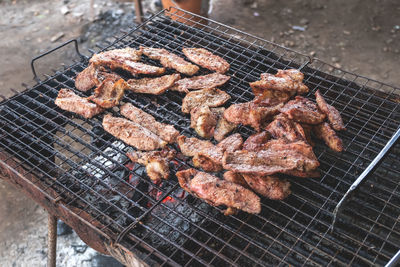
x: 13, y: 173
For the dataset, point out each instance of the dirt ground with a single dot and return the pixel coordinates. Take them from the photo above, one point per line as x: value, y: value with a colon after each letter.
x: 362, y: 36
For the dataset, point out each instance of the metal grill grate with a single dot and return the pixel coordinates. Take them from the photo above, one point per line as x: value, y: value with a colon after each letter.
x: 165, y: 226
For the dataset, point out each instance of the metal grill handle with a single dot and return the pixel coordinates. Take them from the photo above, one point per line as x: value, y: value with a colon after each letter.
x: 35, y: 77
x: 363, y: 175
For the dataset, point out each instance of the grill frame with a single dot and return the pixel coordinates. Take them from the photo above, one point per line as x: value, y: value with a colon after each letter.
x: 219, y: 229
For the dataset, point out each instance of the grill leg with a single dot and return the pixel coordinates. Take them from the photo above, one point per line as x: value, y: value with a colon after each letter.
x: 52, y: 240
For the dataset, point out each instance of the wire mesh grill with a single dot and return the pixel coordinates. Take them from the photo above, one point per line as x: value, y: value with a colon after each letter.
x: 163, y: 225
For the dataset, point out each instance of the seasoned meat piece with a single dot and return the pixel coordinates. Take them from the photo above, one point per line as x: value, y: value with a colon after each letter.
x: 256, y: 141
x: 324, y: 132
x: 218, y: 192
x: 299, y: 146
x: 156, y: 162
x: 223, y: 127
x: 274, y: 89
x: 164, y: 131
x: 190, y: 147
x: 210, y: 159
x: 277, y: 158
x: 206, y: 155
x: 201, y: 82
x: 206, y: 163
x: 269, y: 97
x: 69, y: 101
x: 109, y: 93
x: 236, y: 178
x: 132, y: 133
x: 136, y: 68
x: 206, y: 59
x: 86, y: 79
x: 122, y: 55
x: 249, y: 113
x: 126, y: 59
x: 154, y: 86
x: 231, y: 143
x: 93, y: 76
x: 295, y: 74
x: 332, y: 113
x: 309, y: 174
x: 170, y: 60
x: 303, y: 110
x: 203, y: 121
x: 282, y: 127
x: 307, y: 133
x: 212, y: 97
x: 268, y: 186
x: 285, y: 80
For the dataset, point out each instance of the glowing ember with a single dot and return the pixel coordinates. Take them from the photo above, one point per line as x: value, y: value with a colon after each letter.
x: 168, y: 199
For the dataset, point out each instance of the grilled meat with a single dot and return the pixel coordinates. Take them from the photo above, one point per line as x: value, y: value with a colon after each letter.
x: 86, y: 79
x: 154, y: 86
x: 279, y: 157
x: 109, y: 93
x: 170, y: 60
x: 218, y: 192
x: 200, y: 82
x: 269, y: 97
x: 268, y: 186
x: 191, y: 147
x: 223, y: 127
x: 206, y: 163
x: 206, y: 59
x: 309, y: 174
x: 274, y: 89
x: 307, y: 128
x: 93, y: 76
x: 285, y: 80
x: 324, y: 132
x: 203, y: 121
x: 249, y: 113
x: 303, y: 110
x: 156, y: 162
x: 256, y: 141
x: 236, y: 178
x: 132, y: 133
x: 136, y: 68
x: 164, y: 131
x: 212, y: 97
x: 205, y: 154
x: 125, y: 59
x: 332, y: 113
x: 69, y: 101
x: 231, y: 143
x: 210, y: 159
x: 124, y: 55
x: 282, y: 127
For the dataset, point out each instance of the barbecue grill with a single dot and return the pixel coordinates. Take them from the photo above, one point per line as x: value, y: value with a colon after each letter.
x: 80, y: 173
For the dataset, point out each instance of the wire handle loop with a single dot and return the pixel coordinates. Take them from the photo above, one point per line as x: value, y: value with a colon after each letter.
x: 35, y: 77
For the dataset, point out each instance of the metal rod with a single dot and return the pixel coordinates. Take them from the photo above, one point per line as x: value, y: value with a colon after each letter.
x: 52, y: 240
x: 138, y: 11
x: 393, y: 261
x: 339, y: 207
